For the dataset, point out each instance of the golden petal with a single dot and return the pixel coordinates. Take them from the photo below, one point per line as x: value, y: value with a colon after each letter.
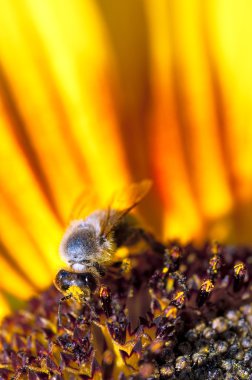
x: 200, y: 130
x: 229, y: 33
x: 80, y: 68
x: 23, y: 203
x: 4, y: 308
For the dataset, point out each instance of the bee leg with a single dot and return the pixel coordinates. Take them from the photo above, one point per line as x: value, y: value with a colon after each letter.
x: 100, y: 269
x: 92, y: 310
x: 82, y: 319
x: 63, y: 299
x: 126, y: 266
x: 151, y: 241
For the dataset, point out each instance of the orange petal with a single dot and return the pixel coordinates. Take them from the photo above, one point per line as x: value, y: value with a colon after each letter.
x: 165, y: 144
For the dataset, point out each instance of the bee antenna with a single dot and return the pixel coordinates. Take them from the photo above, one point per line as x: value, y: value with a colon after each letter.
x: 63, y: 299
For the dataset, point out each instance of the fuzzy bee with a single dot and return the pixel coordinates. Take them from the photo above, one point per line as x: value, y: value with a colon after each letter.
x: 90, y: 242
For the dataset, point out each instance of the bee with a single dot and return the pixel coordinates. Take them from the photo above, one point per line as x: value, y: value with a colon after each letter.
x: 90, y: 242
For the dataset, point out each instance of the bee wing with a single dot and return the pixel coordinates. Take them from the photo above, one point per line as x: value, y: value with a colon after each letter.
x: 84, y: 205
x: 122, y: 203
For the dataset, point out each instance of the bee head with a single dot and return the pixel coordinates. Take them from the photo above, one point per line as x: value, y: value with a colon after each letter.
x: 78, y: 284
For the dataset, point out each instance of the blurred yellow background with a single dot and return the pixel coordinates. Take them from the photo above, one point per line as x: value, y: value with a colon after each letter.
x: 97, y: 94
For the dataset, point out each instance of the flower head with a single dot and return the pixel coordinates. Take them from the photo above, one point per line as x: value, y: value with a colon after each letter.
x: 173, y: 317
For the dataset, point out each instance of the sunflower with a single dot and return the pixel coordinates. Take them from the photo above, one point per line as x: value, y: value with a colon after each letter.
x: 98, y: 94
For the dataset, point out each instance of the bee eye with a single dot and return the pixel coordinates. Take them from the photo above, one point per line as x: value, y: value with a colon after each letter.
x: 87, y: 280
x: 63, y: 280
